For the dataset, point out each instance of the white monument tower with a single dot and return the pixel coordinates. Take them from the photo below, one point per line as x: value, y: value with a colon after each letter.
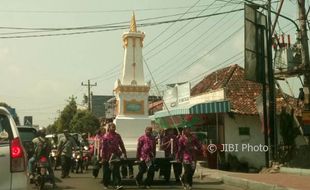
x: 131, y: 91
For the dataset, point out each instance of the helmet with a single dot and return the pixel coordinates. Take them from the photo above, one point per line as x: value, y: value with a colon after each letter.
x: 41, y: 132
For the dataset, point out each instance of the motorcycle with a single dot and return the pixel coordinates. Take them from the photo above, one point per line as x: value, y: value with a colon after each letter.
x: 86, y: 158
x: 77, y: 161
x: 42, y: 174
x: 55, y: 159
x: 80, y: 160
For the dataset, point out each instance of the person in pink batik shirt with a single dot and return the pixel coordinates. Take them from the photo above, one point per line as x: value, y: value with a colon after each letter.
x: 188, y: 144
x: 170, y: 146
x: 112, y: 150
x: 146, y: 154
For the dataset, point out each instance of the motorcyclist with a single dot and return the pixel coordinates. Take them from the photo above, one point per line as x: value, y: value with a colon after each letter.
x: 42, y: 147
x: 65, y: 146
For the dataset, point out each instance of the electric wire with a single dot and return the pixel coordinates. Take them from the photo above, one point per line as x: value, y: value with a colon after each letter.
x: 199, y: 58
x: 181, y: 28
x: 164, y: 65
x: 118, y: 27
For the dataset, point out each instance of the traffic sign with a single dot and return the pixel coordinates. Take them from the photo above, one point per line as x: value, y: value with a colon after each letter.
x: 28, y: 120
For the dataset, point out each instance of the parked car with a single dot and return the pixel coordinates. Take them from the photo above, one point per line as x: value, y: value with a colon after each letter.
x: 13, y: 157
x: 27, y: 134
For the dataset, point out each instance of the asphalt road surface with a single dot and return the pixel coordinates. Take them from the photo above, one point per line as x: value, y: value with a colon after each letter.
x: 85, y: 181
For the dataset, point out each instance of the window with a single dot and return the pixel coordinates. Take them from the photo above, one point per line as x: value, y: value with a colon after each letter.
x: 5, y: 129
x: 244, y: 131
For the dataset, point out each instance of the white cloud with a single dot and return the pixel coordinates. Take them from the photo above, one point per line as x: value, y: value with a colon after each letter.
x: 238, y: 42
x: 46, y: 88
x: 14, y: 70
x: 4, y: 52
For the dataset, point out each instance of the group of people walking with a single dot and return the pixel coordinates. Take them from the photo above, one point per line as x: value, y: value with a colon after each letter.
x: 179, y: 150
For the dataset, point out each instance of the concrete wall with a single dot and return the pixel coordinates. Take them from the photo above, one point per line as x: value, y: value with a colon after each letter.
x: 256, y: 137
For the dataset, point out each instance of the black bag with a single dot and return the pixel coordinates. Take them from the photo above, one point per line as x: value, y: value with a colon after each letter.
x: 96, y: 166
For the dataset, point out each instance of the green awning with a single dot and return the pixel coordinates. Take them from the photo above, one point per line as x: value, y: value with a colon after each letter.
x: 203, y: 108
x: 210, y: 107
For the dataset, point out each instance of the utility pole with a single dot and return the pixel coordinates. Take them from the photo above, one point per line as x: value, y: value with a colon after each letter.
x: 89, y: 85
x: 303, y: 37
x: 271, y: 84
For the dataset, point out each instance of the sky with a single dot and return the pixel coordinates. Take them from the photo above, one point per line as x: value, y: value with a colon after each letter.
x: 39, y: 71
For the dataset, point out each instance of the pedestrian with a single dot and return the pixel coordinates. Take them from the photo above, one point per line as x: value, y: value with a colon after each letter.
x: 112, y: 150
x: 146, y: 152
x: 97, y: 151
x: 170, y: 147
x: 188, y: 145
x: 65, y: 146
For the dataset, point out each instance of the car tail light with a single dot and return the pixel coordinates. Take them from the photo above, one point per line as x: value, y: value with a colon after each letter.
x: 17, y: 156
x: 43, y: 159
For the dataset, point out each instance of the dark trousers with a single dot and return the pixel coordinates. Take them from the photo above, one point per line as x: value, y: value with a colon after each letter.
x: 116, y: 175
x: 125, y: 171
x: 165, y: 170
x: 65, y: 165
x: 150, y: 173
x: 106, y: 172
x: 189, y: 171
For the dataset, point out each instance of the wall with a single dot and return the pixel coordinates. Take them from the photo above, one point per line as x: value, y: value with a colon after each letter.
x: 256, y: 137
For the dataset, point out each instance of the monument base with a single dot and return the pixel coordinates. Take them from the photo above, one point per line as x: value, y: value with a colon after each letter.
x: 130, y: 129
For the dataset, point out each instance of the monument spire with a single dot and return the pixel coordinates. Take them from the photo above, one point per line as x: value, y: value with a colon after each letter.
x: 133, y: 25
x: 132, y: 72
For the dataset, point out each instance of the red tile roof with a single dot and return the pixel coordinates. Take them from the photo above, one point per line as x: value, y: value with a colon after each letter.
x: 241, y: 93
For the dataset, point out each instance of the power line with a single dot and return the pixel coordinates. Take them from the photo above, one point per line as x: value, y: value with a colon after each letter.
x: 113, y: 28
x: 214, y: 38
x: 108, y: 72
x: 228, y: 61
x: 198, y: 59
x: 156, y: 37
x: 184, y: 34
x: 180, y: 29
x: 162, y: 66
x: 95, y: 11
x: 101, y: 26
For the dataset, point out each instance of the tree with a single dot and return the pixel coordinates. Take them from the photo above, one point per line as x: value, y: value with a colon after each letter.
x: 84, y: 122
x: 14, y: 114
x: 51, y: 129
x: 288, y: 133
x: 66, y: 116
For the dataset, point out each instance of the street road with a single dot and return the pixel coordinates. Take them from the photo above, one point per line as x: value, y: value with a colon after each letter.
x: 85, y: 181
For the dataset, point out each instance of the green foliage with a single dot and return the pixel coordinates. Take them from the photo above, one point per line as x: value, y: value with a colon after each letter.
x: 84, y: 122
x: 287, y: 129
x: 66, y: 116
x: 289, y: 134
x: 74, y: 120
x: 51, y: 129
x: 15, y: 116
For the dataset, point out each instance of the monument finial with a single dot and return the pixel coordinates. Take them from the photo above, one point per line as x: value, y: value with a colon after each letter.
x: 133, y: 26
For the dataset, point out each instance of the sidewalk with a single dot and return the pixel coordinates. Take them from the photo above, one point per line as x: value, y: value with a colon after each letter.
x: 261, y: 181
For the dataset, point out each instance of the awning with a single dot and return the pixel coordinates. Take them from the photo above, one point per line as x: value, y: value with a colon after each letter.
x: 202, y: 108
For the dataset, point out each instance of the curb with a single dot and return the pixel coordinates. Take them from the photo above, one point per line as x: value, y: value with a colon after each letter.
x: 251, y: 185
x: 298, y: 171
